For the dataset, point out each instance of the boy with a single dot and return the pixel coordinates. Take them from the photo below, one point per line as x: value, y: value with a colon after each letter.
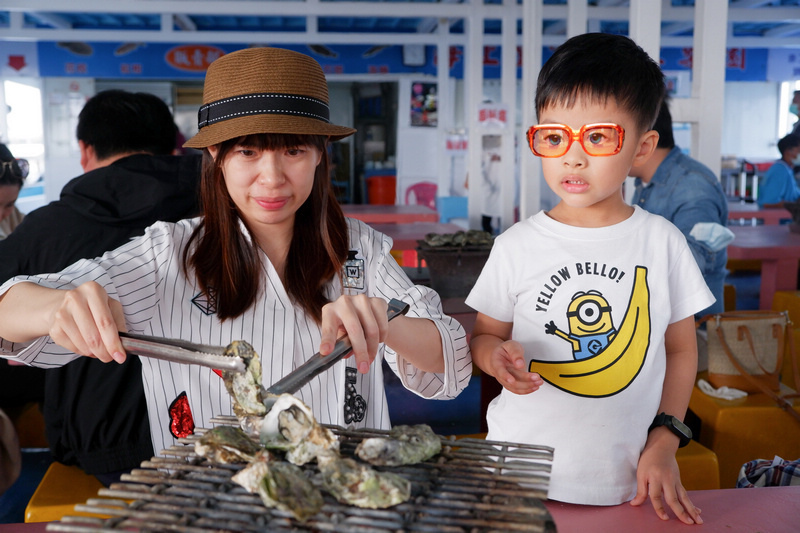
x: 585, y: 312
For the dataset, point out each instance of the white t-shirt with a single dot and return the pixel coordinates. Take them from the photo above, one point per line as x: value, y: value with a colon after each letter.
x: 597, y: 302
x: 145, y: 275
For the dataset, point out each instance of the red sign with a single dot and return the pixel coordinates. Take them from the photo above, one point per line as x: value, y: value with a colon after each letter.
x: 16, y: 62
x: 193, y: 57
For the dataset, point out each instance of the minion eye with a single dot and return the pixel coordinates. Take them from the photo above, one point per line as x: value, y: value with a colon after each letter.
x: 589, y: 312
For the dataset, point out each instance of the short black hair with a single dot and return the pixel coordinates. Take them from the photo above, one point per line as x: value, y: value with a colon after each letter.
x: 788, y: 142
x: 602, y: 66
x: 117, y: 122
x: 663, y: 126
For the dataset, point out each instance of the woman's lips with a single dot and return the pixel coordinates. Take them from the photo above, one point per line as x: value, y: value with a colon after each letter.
x: 272, y: 203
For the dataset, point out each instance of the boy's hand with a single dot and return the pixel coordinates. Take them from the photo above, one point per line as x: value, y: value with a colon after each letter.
x: 658, y: 476
x: 508, y: 367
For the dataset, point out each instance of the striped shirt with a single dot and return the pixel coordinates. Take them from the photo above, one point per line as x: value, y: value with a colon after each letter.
x: 147, y: 277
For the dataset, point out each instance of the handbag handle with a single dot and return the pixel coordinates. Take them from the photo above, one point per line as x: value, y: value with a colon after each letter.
x: 782, y: 402
x: 744, y: 331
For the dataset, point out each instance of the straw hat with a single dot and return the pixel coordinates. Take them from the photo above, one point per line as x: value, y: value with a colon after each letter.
x: 264, y: 90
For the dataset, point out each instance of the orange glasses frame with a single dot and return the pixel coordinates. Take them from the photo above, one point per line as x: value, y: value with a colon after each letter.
x: 576, y: 136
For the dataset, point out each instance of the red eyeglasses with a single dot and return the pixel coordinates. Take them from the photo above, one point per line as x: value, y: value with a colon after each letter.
x: 555, y: 140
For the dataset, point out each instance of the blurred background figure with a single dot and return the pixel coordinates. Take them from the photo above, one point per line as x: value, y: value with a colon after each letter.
x: 794, y: 108
x: 779, y: 183
x: 688, y: 194
x: 13, y: 177
x: 95, y: 414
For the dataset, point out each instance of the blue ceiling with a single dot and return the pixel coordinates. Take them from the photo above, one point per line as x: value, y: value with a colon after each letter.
x: 367, y: 24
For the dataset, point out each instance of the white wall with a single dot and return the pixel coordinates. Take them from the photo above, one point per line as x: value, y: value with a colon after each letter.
x: 750, y: 120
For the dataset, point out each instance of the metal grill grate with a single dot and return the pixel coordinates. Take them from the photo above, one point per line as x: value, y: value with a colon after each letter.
x: 473, y: 485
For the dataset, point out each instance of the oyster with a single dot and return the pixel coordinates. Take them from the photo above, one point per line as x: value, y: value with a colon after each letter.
x: 290, y: 426
x: 405, y: 445
x: 227, y: 444
x: 281, y: 485
x: 359, y: 484
x: 246, y: 389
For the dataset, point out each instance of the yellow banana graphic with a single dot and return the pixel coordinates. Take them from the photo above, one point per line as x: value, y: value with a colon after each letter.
x: 613, y: 369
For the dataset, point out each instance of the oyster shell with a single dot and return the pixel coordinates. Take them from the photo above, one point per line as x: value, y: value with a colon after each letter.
x: 246, y: 389
x: 281, y: 485
x: 359, y: 484
x: 290, y: 426
x: 405, y: 445
x: 226, y: 444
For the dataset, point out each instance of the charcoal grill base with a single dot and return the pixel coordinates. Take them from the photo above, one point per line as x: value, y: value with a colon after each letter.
x: 473, y: 485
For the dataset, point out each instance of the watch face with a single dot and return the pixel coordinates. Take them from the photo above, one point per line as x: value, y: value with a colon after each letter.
x: 680, y: 426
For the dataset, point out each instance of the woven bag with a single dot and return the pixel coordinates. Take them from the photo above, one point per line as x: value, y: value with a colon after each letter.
x: 746, y: 350
x: 746, y: 346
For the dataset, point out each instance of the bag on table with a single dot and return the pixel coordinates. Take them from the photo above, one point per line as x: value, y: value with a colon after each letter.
x: 746, y: 351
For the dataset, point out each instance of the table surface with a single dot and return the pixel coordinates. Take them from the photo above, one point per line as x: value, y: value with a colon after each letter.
x: 405, y: 236
x: 764, y: 242
x: 770, y: 215
x: 390, y: 214
x: 772, y: 509
x: 768, y: 509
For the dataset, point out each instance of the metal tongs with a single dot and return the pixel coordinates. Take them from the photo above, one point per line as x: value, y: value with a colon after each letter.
x: 215, y: 357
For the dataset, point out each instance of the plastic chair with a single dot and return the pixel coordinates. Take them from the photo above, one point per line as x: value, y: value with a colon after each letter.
x: 451, y: 207
x: 424, y: 194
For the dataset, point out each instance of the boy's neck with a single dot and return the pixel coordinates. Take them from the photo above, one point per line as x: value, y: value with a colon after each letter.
x: 594, y: 216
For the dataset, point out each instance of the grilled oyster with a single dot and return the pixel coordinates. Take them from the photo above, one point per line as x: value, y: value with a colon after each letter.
x: 290, y: 426
x: 405, y: 445
x: 281, y: 485
x: 359, y: 484
x: 246, y: 389
x: 227, y: 444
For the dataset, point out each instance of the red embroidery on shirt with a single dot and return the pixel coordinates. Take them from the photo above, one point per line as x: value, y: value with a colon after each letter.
x: 181, y: 423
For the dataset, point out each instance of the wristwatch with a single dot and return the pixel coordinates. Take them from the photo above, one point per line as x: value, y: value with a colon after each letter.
x: 675, y: 425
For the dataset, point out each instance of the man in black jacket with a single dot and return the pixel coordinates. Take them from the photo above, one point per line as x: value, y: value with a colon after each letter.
x: 95, y: 414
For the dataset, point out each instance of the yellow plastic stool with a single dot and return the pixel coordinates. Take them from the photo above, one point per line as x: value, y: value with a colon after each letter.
x: 61, y: 488
x: 699, y: 467
x: 789, y: 301
x: 745, y: 429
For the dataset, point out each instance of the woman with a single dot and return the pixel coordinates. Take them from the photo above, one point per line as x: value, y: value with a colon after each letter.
x: 265, y: 263
x: 14, y: 172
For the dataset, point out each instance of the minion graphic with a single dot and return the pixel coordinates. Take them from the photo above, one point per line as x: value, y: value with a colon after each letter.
x: 591, y: 327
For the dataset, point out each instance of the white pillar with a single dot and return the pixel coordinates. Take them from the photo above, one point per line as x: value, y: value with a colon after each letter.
x: 530, y: 167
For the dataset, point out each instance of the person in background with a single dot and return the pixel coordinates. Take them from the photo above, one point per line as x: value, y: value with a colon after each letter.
x: 586, y: 311
x: 794, y: 108
x: 688, y: 194
x: 271, y: 260
x: 14, y: 172
x: 95, y: 414
x: 779, y: 184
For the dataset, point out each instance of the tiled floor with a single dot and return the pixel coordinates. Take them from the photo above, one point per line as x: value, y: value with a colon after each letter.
x: 747, y: 285
x: 12, y: 504
x: 460, y: 416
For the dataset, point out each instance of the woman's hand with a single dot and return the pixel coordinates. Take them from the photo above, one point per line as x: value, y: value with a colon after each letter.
x: 659, y: 478
x: 85, y: 320
x: 362, y: 319
x: 507, y: 364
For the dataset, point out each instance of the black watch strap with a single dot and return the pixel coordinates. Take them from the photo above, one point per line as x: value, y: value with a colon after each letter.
x: 673, y: 424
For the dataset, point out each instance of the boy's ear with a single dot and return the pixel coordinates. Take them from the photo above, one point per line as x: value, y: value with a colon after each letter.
x: 647, y: 145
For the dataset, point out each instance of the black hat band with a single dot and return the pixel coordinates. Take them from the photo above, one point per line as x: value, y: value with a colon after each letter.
x: 262, y: 104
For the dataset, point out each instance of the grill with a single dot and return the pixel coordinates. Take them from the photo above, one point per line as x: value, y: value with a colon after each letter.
x: 473, y: 485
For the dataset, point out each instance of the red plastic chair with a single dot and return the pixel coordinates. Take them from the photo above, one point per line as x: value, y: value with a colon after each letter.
x: 424, y: 194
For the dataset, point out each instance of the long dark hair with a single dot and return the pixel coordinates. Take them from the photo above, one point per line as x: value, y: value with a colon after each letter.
x: 228, y: 265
